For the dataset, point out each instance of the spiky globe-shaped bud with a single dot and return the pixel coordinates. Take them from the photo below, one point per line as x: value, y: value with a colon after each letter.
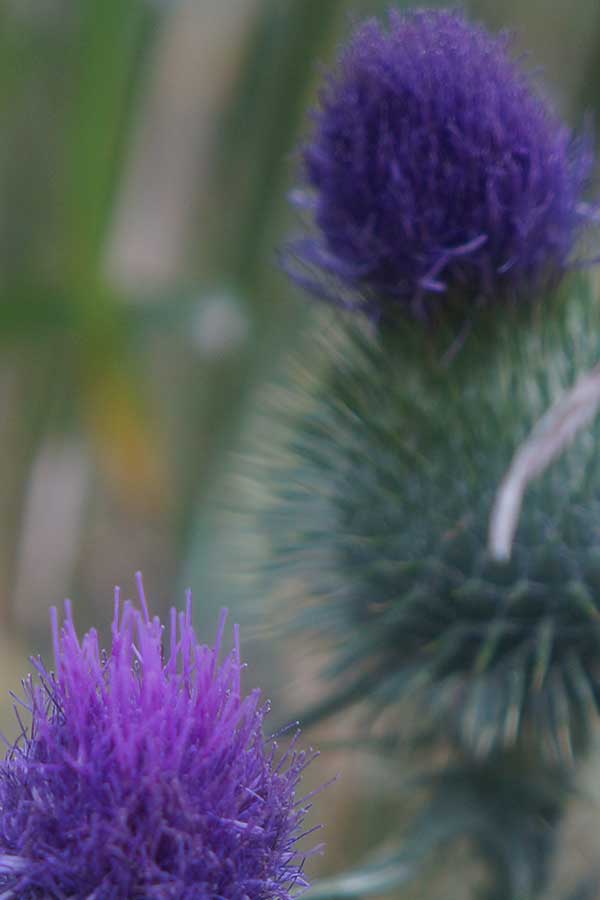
x: 381, y: 496
x: 435, y: 168
x: 146, y: 773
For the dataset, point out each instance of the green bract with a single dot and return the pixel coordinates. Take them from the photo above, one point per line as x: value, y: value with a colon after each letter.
x: 381, y: 509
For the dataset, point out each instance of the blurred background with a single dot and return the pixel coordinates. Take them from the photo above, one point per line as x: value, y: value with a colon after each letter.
x: 147, y: 148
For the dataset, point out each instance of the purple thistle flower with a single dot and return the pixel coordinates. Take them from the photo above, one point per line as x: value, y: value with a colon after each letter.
x: 435, y: 168
x: 146, y: 774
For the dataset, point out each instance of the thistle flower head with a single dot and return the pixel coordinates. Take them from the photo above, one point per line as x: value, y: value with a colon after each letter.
x: 146, y: 773
x: 434, y: 168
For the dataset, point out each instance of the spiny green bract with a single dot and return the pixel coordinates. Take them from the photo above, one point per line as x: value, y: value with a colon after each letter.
x: 380, y: 508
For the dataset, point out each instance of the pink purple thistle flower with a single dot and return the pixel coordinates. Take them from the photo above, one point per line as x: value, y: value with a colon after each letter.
x: 146, y: 774
x: 435, y: 168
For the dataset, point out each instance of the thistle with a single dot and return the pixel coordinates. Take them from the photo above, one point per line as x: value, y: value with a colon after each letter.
x: 435, y: 169
x: 430, y: 138
x: 147, y: 773
x: 445, y: 193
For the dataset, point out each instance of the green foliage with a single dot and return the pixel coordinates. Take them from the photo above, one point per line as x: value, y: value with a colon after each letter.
x: 107, y: 65
x: 506, y: 810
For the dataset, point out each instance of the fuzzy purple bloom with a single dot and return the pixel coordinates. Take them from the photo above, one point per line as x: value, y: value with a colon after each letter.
x: 435, y: 168
x: 146, y: 774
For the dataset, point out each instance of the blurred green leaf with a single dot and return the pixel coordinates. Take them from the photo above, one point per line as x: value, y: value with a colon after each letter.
x: 510, y: 819
x: 367, y: 882
x: 281, y: 60
x: 274, y: 82
x: 108, y: 60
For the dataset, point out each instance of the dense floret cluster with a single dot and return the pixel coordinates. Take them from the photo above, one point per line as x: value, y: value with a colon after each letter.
x: 146, y: 773
x: 434, y: 168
